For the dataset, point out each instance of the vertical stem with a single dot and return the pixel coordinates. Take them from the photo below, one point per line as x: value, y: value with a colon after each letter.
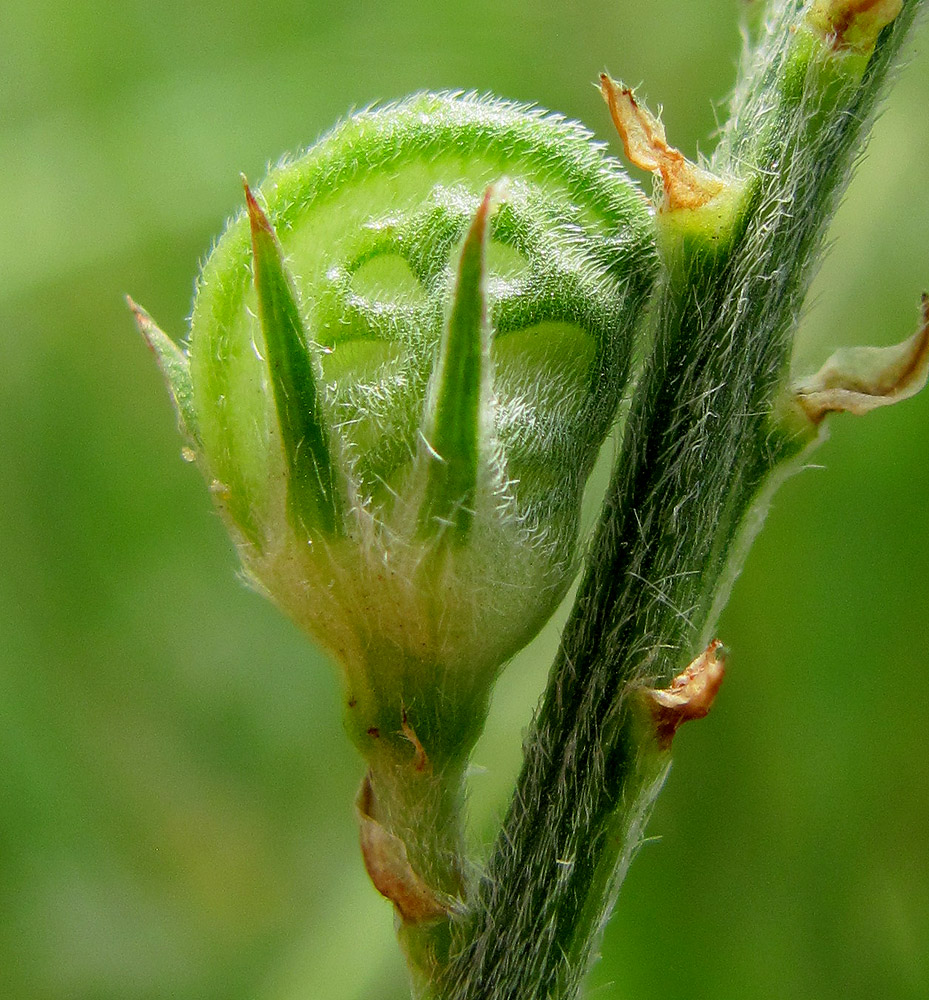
x: 700, y: 443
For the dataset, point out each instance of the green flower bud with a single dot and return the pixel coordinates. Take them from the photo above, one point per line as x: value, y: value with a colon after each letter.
x: 403, y: 360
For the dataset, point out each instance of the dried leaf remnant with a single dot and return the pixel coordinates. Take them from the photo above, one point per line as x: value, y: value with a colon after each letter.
x: 388, y: 867
x: 686, y: 185
x: 860, y: 379
x: 689, y: 696
x: 421, y: 762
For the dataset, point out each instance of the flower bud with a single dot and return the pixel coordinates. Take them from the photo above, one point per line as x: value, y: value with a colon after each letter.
x: 403, y: 360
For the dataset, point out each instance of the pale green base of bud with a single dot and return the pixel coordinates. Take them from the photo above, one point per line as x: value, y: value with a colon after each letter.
x: 417, y: 617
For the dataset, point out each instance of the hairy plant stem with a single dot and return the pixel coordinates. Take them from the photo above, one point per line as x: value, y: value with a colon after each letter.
x: 701, y: 443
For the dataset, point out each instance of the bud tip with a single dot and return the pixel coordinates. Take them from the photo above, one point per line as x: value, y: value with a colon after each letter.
x: 852, y: 25
x: 256, y: 215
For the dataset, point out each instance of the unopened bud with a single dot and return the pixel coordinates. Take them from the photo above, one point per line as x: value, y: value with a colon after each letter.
x: 400, y: 374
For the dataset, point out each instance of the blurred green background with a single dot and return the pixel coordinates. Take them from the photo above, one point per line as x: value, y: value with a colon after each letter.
x: 175, y: 789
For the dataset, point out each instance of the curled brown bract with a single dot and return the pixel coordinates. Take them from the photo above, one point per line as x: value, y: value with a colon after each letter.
x: 388, y: 866
x: 685, y: 184
x: 860, y: 379
x: 689, y: 696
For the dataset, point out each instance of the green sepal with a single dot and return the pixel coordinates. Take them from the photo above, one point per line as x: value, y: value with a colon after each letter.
x: 175, y: 367
x: 312, y: 488
x: 460, y: 393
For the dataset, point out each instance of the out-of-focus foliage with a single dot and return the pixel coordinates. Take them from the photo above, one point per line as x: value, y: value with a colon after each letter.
x: 175, y: 788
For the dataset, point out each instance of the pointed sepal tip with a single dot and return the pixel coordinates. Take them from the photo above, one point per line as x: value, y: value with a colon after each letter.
x: 313, y: 491
x: 453, y: 424
x: 175, y: 368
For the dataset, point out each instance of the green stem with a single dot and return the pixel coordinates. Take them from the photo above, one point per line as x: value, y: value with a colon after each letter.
x: 700, y: 445
x: 411, y: 804
x: 423, y: 811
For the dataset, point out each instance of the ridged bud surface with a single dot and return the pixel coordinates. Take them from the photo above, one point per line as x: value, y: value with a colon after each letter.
x: 450, y: 274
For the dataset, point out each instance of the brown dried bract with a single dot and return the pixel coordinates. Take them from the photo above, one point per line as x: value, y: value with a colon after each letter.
x: 388, y: 866
x: 860, y: 379
x: 685, y: 184
x: 689, y: 696
x: 421, y: 760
